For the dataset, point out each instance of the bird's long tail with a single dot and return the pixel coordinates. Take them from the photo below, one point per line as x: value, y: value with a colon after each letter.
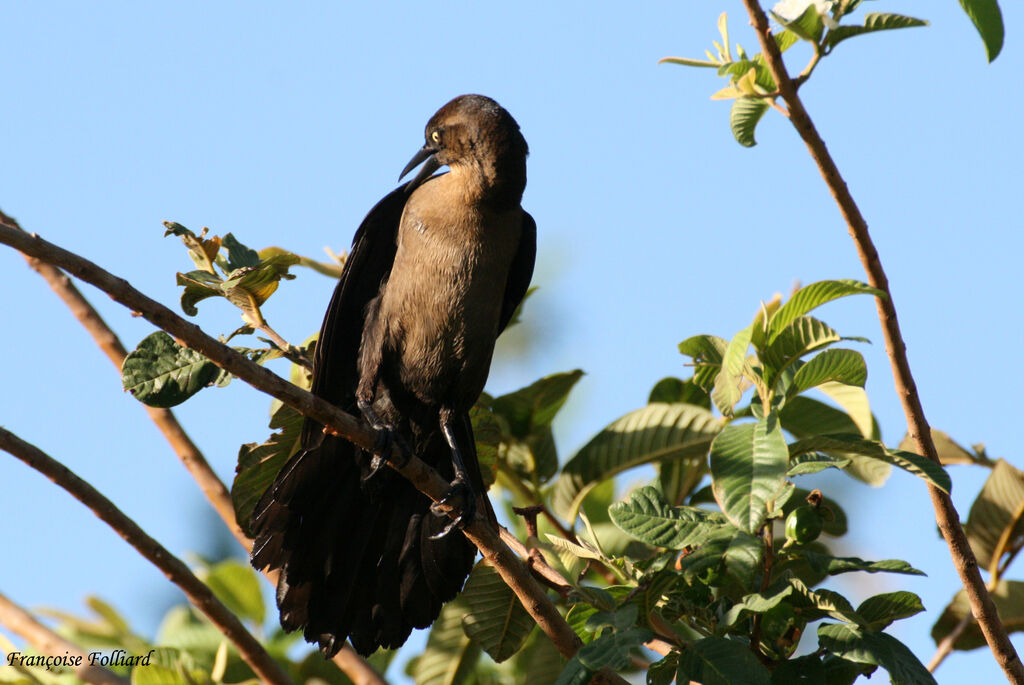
x: 357, y: 559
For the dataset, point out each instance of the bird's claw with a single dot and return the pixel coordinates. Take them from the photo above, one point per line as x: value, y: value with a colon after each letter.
x: 394, y: 449
x: 459, y: 489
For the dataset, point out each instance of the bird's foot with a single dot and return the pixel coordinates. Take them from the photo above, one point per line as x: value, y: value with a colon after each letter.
x: 390, y: 447
x: 458, y: 490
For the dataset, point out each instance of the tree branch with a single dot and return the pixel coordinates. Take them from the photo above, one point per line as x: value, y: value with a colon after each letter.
x: 217, y: 494
x: 917, y: 426
x: 176, y: 571
x: 48, y: 642
x: 426, y: 480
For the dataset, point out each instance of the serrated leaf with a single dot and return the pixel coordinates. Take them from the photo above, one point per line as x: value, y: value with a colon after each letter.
x: 997, y: 515
x: 830, y: 565
x: 1008, y: 597
x: 881, y: 610
x: 653, y: 433
x: 748, y: 467
x: 835, y: 365
x: 496, y: 620
x: 721, y: 661
x: 915, y: 464
x: 162, y: 373
x: 450, y: 656
x: 873, y: 21
x: 258, y: 464
x: 988, y: 20
x: 237, y: 586
x: 647, y: 517
x: 812, y: 296
x: 744, y: 116
x: 855, y: 644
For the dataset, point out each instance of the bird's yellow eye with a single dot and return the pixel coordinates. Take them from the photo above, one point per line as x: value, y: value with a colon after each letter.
x: 436, y: 136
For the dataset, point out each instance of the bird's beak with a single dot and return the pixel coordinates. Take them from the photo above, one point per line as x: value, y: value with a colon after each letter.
x: 430, y: 164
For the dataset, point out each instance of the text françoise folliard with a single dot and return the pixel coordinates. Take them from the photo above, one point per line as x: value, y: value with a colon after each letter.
x: 118, y: 657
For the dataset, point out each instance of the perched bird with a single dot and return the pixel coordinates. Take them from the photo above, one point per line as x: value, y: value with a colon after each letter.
x: 435, y: 272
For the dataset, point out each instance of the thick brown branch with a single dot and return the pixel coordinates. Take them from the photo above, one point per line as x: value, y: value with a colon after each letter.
x: 176, y: 571
x: 353, y: 665
x: 945, y: 513
x: 428, y: 481
x: 50, y: 643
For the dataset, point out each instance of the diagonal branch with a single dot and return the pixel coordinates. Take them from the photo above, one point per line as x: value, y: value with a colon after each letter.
x: 176, y: 571
x: 532, y: 596
x: 353, y: 665
x: 48, y: 642
x: 945, y: 513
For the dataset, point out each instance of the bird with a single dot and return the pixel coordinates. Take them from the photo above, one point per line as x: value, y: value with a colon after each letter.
x: 435, y: 273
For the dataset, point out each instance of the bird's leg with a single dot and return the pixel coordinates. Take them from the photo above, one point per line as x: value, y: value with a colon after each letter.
x: 387, y: 439
x: 460, y: 487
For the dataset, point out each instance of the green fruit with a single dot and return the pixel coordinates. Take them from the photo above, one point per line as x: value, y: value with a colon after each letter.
x: 804, y: 524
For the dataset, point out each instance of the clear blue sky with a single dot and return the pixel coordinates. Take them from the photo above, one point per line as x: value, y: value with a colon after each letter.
x: 285, y: 125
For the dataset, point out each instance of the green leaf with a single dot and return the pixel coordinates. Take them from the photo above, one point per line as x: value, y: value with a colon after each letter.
x: 721, y: 661
x: 162, y: 373
x: 611, y: 650
x: 538, y: 663
x: 804, y: 670
x: 829, y: 565
x: 997, y: 514
x: 744, y: 116
x: 674, y: 390
x: 814, y: 462
x: 653, y: 433
x: 728, y: 384
x: 950, y: 452
x: 819, y: 603
x: 915, y: 464
x: 678, y: 478
x: 881, y: 610
x: 707, y: 352
x: 855, y: 644
x: 755, y: 603
x: 811, y: 297
x: 803, y: 335
x: 854, y: 401
x: 988, y: 20
x: 808, y: 25
x: 450, y: 656
x: 663, y: 671
x: 258, y: 464
x: 876, y: 21
x: 835, y: 365
x: 239, y: 255
x: 647, y: 517
x: 748, y: 468
x: 496, y: 620
x: 535, y: 405
x: 237, y: 586
x: 1008, y: 597
x: 198, y: 285
x: 687, y: 62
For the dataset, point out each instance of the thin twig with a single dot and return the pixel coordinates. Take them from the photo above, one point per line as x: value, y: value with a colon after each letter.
x: 917, y: 426
x: 176, y: 571
x: 48, y: 642
x: 353, y: 665
x: 533, y: 597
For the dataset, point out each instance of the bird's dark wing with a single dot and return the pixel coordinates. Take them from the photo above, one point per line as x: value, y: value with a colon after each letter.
x: 335, y: 374
x: 521, y: 272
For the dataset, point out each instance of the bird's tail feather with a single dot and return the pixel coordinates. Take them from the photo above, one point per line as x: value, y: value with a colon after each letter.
x: 357, y: 559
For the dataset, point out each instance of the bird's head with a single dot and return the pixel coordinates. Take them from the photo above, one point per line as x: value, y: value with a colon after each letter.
x: 472, y: 131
